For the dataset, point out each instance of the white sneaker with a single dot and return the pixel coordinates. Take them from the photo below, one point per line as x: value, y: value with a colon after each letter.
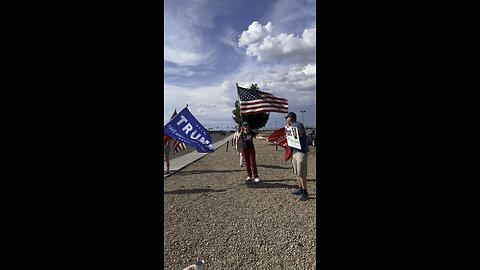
x: 257, y: 180
x: 249, y: 179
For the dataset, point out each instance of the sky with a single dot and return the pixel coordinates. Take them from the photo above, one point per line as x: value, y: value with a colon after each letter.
x: 210, y: 45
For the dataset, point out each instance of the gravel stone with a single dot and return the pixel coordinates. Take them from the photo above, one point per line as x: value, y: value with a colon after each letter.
x: 210, y: 213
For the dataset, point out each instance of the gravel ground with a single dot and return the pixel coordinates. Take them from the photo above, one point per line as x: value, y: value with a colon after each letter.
x: 211, y: 213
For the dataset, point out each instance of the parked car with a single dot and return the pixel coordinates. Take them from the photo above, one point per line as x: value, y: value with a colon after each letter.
x: 314, y: 141
x: 223, y: 133
x: 312, y: 137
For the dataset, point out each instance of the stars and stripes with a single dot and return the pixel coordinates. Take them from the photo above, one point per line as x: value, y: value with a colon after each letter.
x: 177, y: 145
x: 255, y: 101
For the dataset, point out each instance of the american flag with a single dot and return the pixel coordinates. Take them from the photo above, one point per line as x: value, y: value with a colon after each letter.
x: 177, y: 145
x: 255, y: 101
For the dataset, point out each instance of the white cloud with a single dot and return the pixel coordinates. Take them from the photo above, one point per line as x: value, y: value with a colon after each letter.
x: 229, y: 38
x: 185, y: 49
x: 293, y: 16
x: 184, y: 42
x: 229, y: 92
x: 302, y: 78
x: 183, y: 57
x: 296, y: 83
x: 279, y: 56
x: 255, y: 33
x: 283, y: 47
x: 212, y: 105
x: 177, y: 71
x: 207, y: 103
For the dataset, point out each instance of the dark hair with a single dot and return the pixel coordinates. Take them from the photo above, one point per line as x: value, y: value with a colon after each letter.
x: 291, y: 115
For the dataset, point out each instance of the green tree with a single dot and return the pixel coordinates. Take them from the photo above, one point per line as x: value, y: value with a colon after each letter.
x: 255, y: 121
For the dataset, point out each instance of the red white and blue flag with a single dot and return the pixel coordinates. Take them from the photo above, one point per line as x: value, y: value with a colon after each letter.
x: 185, y: 129
x: 177, y: 145
x: 254, y: 101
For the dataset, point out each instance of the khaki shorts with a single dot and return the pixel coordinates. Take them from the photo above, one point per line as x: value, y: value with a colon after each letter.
x: 299, y: 161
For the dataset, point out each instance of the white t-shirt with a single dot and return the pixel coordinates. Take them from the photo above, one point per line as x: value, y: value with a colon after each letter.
x: 236, y: 136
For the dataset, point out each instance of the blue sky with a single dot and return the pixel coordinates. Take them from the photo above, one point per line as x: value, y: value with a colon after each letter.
x: 209, y: 45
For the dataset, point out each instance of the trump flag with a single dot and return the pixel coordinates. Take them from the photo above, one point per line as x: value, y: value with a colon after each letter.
x: 177, y: 145
x: 185, y: 128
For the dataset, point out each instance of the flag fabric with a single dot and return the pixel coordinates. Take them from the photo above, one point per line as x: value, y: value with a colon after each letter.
x: 255, y: 101
x: 279, y: 137
x: 177, y: 146
x: 185, y: 128
x: 165, y: 140
x: 288, y: 153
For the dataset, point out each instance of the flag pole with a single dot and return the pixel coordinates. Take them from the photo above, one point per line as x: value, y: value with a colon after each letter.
x: 240, y: 109
x: 171, y: 117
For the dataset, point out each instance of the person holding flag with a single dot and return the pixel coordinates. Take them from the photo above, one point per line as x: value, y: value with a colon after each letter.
x: 299, y: 157
x: 166, y: 152
x: 177, y: 146
x: 236, y: 143
x: 254, y: 101
x: 248, y: 152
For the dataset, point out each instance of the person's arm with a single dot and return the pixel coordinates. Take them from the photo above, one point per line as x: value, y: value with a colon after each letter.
x: 301, y: 130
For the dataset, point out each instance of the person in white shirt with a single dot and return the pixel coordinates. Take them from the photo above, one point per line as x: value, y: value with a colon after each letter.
x: 236, y: 137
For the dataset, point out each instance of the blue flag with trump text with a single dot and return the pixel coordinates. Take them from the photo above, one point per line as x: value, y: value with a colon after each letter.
x: 185, y: 128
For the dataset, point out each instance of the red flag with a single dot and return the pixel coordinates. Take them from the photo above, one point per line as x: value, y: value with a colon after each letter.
x: 279, y: 137
x: 166, y: 138
x: 288, y: 153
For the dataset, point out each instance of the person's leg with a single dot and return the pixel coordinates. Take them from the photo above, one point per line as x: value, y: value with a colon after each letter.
x: 296, y: 171
x: 254, y: 163
x: 246, y: 157
x: 303, y: 171
x: 293, y: 166
x: 241, y: 159
x: 168, y: 163
x: 303, y: 177
x: 296, y: 168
